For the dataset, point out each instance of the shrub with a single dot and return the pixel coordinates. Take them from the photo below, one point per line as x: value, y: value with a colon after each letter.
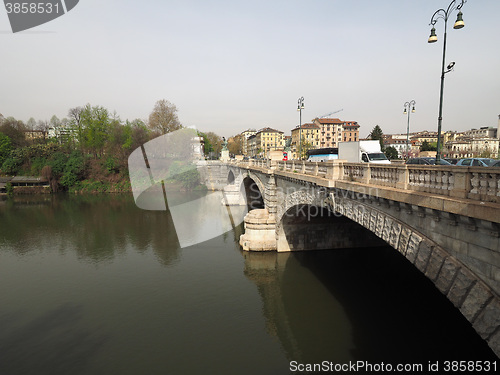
x: 5, y: 147
x: 9, y: 188
x: 58, y: 163
x: 11, y: 165
x: 73, y: 170
x: 37, y: 165
x: 111, y: 165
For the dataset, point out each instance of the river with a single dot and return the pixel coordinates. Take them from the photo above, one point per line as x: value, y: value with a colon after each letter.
x: 94, y: 285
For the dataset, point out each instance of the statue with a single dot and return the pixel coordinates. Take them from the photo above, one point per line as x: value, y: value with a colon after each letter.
x: 225, y: 152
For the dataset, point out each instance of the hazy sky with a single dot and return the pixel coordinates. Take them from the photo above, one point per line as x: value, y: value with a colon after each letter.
x: 229, y: 65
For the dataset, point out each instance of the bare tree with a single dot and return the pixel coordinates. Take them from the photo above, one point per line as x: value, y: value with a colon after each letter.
x: 164, y: 117
x: 15, y: 130
x: 75, y: 115
x: 75, y: 120
x: 43, y: 125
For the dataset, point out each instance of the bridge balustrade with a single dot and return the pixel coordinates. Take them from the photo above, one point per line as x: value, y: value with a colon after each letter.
x: 477, y: 183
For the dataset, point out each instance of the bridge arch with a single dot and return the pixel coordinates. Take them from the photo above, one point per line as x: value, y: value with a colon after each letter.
x: 464, y: 288
x: 254, y: 194
x: 318, y: 227
x: 230, y: 177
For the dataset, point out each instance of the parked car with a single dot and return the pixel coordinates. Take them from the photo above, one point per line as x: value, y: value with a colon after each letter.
x: 495, y: 164
x: 476, y: 162
x: 452, y: 160
x: 427, y: 161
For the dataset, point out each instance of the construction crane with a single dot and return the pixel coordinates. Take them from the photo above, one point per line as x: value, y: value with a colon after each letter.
x: 331, y: 113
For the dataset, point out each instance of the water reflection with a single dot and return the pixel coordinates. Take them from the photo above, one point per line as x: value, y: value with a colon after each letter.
x: 83, y: 278
x: 358, y: 304
x: 98, y: 228
x: 310, y: 323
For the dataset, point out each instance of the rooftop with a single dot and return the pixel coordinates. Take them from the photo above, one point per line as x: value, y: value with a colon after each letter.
x: 268, y: 130
x: 308, y: 126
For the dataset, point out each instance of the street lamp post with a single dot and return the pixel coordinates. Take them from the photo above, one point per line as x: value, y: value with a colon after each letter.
x: 444, y: 14
x: 300, y: 107
x: 408, y: 105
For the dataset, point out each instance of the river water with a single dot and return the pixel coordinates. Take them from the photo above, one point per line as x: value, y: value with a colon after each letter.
x: 94, y: 285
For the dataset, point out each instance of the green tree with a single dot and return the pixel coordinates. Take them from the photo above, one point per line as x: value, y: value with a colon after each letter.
x: 304, y: 147
x: 73, y: 170
x: 5, y: 147
x: 426, y: 146
x: 215, y: 142
x: 377, y: 134
x: 391, y: 153
x: 96, y: 125
x: 207, y: 146
x: 163, y: 118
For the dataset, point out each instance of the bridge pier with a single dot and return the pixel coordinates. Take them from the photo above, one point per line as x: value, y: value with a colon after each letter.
x: 260, y: 231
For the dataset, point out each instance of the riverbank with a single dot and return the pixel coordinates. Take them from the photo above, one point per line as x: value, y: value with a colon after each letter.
x: 93, y: 187
x: 80, y: 187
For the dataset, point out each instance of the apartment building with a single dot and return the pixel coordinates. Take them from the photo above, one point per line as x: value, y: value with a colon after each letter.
x: 334, y: 130
x: 264, y: 141
x: 245, y: 147
x: 309, y: 133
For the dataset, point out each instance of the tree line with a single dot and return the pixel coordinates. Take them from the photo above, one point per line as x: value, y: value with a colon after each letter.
x: 90, y: 146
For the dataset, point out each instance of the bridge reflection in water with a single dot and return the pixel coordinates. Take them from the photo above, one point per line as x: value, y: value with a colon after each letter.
x: 375, y: 306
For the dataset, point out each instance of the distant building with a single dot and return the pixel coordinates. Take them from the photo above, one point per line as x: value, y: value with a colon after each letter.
x: 264, y: 141
x: 334, y: 130
x: 31, y: 135
x: 309, y: 133
x: 61, y: 132
x: 398, y: 143
x: 484, y: 132
x: 424, y: 136
x: 350, y: 131
x: 482, y: 142
x: 244, y: 140
x: 251, y: 146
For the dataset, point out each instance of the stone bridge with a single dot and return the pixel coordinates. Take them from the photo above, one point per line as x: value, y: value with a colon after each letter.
x: 444, y: 220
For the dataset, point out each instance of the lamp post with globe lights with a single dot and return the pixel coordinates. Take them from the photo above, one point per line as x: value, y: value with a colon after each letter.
x: 459, y: 23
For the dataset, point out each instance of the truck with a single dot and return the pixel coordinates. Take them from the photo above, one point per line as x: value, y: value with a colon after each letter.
x: 362, y: 152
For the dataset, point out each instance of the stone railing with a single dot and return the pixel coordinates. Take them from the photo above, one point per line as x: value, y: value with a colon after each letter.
x: 477, y: 183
